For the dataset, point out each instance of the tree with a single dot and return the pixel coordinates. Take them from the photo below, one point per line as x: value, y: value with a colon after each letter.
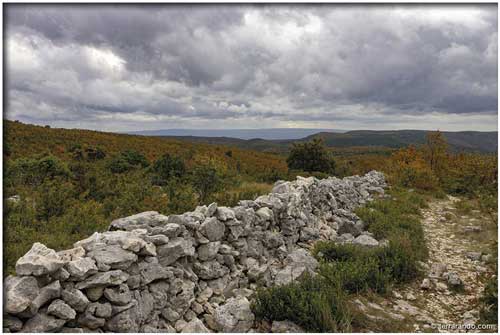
x: 435, y: 150
x: 134, y: 158
x: 311, y: 156
x: 206, y: 181
x: 126, y: 161
x: 166, y: 168
x: 33, y: 171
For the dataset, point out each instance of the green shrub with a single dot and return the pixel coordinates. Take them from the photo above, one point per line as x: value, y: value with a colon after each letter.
x: 358, y: 268
x: 33, y: 171
x: 310, y: 302
x: 206, y: 181
x: 489, y: 302
x: 119, y: 165
x: 127, y: 161
x: 166, y: 168
x: 311, y: 157
x: 134, y: 158
x: 52, y: 199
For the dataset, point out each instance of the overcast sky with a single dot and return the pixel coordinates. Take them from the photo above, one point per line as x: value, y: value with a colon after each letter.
x: 123, y: 67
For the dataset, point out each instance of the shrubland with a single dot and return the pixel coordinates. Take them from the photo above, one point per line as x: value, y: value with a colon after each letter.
x: 72, y: 183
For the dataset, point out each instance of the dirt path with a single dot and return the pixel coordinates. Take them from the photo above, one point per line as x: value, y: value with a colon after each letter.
x: 456, y: 274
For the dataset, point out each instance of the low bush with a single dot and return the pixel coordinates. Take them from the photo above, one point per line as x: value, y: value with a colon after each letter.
x: 33, y: 171
x: 167, y: 167
x: 489, y: 302
x: 310, y: 302
x: 126, y: 161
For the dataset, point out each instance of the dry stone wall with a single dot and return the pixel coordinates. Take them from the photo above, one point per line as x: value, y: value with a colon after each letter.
x: 193, y: 272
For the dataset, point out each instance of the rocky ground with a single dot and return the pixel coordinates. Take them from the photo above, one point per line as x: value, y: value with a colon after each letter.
x: 456, y: 272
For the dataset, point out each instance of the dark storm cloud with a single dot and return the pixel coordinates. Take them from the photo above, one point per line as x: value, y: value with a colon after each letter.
x: 251, y: 66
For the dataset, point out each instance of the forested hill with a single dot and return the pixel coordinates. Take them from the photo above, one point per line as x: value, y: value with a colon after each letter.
x: 25, y: 140
x: 458, y: 141
x: 469, y: 141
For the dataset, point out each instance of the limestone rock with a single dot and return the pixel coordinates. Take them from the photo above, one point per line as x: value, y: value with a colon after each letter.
x: 95, y: 293
x: 213, y: 229
x: 75, y: 298
x: 475, y: 256
x: 71, y: 254
x: 453, y: 279
x: 156, y: 239
x: 235, y: 316
x: 153, y: 271
x: 285, y: 327
x: 348, y: 227
x: 224, y: 214
x: 19, y: 292
x: 109, y: 278
x: 176, y: 248
x: 208, y: 251
x: 43, y: 323
x: 366, y: 240
x: 61, y: 310
x: 81, y: 268
x: 38, y: 261
x: 437, y: 270
x: 265, y: 214
x: 100, y: 310
x: 142, y: 219
x: 296, y: 263
x: 113, y: 256
x: 195, y: 326
x: 118, y: 295
x: 210, y: 270
x: 90, y: 321
x: 426, y: 284
x: 47, y: 293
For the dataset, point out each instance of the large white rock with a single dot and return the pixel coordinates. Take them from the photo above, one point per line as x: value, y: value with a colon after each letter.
x: 235, y: 316
x: 81, y: 268
x: 19, y: 292
x: 175, y: 248
x: 113, y: 256
x: 38, y: 261
x: 366, y: 240
x: 225, y: 213
x: 213, y: 229
x: 109, y: 278
x: 61, y: 310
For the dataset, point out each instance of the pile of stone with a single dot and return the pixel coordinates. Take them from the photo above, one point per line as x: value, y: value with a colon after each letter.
x: 194, y: 272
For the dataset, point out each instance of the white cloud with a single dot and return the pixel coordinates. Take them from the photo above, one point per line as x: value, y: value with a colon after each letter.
x: 252, y: 66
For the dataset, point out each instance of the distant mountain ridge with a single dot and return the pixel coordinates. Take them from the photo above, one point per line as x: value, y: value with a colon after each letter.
x: 469, y: 141
x: 244, y: 134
